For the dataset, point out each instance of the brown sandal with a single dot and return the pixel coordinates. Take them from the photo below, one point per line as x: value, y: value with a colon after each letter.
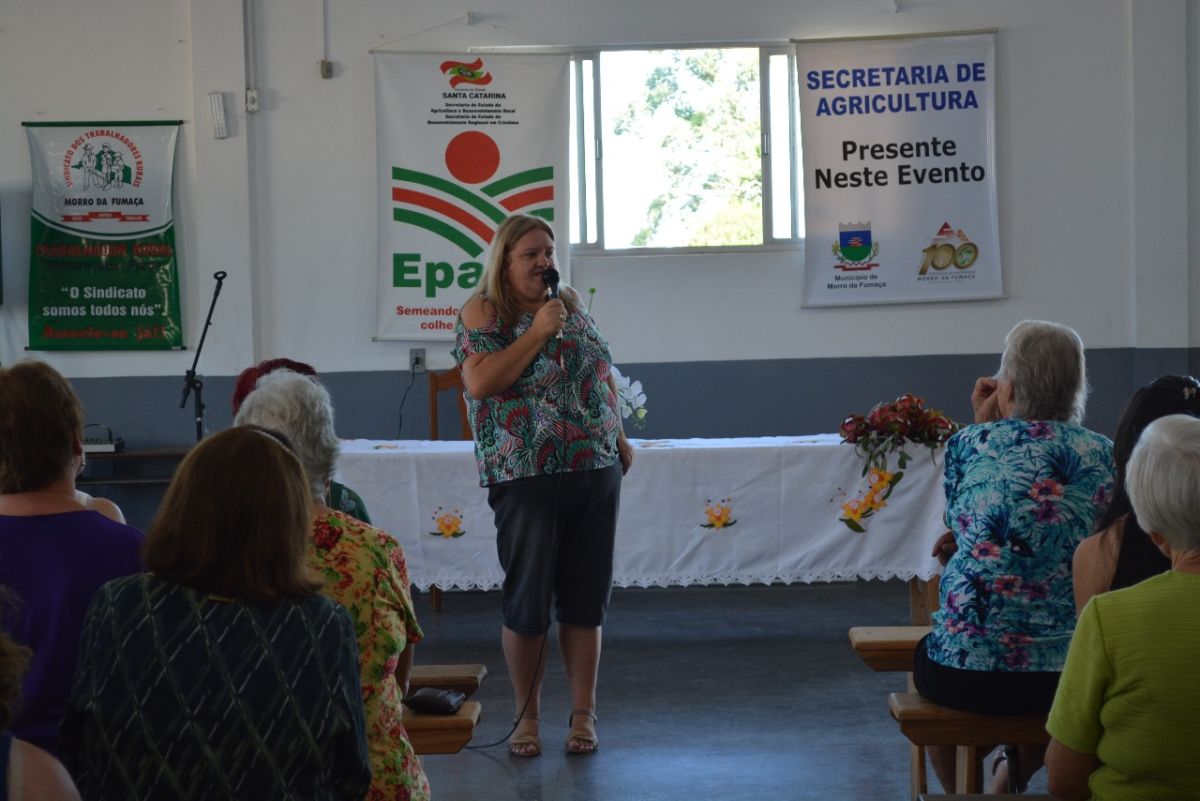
x: 517, y: 745
x: 581, y: 742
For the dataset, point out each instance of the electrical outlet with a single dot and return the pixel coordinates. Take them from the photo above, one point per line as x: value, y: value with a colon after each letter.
x: 416, y: 360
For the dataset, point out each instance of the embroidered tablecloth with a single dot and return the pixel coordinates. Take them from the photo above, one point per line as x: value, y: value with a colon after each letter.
x: 693, y: 511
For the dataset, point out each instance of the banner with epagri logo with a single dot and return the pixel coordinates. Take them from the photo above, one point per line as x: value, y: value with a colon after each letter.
x: 464, y: 142
x: 898, y: 138
x: 102, y: 266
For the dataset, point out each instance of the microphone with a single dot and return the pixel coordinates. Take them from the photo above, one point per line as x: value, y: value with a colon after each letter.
x: 550, y: 279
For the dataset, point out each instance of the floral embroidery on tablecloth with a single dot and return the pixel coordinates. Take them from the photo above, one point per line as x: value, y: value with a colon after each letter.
x: 449, y: 524
x: 718, y: 514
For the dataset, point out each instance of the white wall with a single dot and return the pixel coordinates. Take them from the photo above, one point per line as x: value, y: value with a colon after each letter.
x: 1093, y: 110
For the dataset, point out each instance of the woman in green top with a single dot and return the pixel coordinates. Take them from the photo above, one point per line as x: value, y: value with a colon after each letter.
x: 1126, y: 717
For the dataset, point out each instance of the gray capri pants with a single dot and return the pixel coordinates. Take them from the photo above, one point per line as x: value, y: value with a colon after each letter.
x: 554, y: 535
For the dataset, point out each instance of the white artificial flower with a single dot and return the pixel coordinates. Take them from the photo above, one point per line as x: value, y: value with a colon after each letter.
x: 630, y: 396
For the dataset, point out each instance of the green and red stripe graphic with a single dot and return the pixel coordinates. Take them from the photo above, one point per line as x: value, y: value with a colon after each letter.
x: 469, y: 215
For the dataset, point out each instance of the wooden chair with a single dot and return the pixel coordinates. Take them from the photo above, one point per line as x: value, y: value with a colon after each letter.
x: 446, y: 381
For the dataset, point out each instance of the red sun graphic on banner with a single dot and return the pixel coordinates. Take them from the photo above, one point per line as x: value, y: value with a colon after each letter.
x: 472, y: 157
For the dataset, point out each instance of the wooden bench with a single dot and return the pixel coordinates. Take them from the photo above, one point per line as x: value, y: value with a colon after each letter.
x: 925, y: 723
x: 444, y: 734
x: 464, y: 678
x: 441, y: 734
x: 887, y: 648
x: 988, y: 797
x: 891, y: 648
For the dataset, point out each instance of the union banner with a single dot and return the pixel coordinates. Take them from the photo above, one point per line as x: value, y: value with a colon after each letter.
x: 102, y: 266
x: 463, y: 142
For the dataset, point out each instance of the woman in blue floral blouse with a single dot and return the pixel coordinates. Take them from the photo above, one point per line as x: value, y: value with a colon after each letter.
x: 1024, y: 486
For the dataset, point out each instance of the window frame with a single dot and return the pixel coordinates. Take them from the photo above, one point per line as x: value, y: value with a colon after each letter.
x: 768, y: 140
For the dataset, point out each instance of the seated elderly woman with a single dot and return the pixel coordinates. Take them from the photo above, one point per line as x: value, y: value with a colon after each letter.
x: 1120, y: 554
x: 54, y: 552
x: 27, y: 773
x: 1127, y: 714
x: 1024, y: 486
x: 223, y: 673
x: 337, y: 496
x: 364, y: 571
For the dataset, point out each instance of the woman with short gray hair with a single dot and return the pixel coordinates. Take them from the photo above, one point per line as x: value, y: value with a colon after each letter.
x: 364, y: 571
x: 1127, y: 714
x: 1024, y: 486
x: 1043, y: 370
x: 301, y: 408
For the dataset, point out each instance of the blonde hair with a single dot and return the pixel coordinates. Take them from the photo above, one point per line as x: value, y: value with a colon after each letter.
x: 493, y: 287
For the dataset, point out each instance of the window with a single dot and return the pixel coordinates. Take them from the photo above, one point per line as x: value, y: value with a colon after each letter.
x: 686, y: 148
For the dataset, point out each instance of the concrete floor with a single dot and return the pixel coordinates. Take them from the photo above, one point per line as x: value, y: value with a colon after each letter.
x: 706, y: 692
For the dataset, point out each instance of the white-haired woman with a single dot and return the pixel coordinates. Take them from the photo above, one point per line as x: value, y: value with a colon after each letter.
x: 364, y: 571
x: 551, y: 452
x: 1024, y: 486
x: 1126, y: 718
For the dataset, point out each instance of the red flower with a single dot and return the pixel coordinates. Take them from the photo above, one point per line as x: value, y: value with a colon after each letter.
x: 1007, y: 585
x: 880, y: 415
x: 941, y: 427
x: 326, y: 536
x: 853, y: 428
x: 909, y: 405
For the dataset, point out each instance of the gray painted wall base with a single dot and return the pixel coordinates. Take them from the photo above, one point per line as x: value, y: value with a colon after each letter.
x: 684, y: 399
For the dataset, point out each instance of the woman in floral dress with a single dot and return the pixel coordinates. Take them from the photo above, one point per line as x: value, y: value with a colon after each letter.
x: 364, y: 571
x: 1024, y: 486
x: 550, y: 449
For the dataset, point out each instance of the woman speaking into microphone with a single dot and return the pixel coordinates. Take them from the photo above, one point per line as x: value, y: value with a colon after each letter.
x: 551, y: 453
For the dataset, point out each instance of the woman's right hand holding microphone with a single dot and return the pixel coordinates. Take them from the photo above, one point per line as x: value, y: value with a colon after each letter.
x: 549, y: 320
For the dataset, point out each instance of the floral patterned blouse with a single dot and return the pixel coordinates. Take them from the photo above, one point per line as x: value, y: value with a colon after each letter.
x: 1020, y: 496
x: 554, y: 419
x: 364, y: 571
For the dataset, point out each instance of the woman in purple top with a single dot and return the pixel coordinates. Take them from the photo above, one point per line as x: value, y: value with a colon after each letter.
x: 54, y: 553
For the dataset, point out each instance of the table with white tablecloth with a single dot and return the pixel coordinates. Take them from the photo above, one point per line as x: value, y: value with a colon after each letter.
x: 693, y: 511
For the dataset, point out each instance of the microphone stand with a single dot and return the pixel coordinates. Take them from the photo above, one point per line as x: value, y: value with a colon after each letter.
x: 192, y: 384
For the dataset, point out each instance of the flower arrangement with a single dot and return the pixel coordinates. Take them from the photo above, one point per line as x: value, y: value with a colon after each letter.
x: 884, y: 430
x: 631, y: 399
